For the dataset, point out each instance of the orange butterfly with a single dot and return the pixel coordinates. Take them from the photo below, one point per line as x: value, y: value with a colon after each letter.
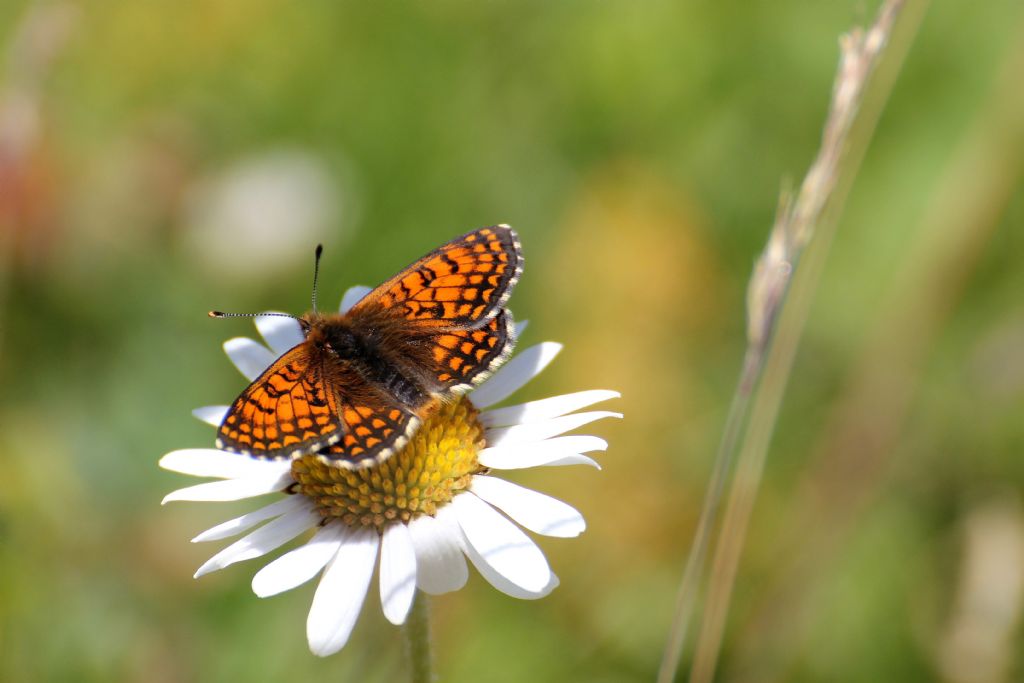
x: 358, y: 387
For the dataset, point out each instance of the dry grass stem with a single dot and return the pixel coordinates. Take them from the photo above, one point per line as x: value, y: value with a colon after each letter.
x: 810, y: 214
x: 960, y: 222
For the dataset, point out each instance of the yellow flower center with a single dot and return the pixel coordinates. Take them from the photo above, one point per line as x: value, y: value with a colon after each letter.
x: 435, y: 465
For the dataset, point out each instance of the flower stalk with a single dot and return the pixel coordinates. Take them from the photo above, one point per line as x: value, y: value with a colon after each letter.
x: 417, y: 640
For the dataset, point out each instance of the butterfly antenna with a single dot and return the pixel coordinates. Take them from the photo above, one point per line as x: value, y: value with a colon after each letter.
x: 222, y: 314
x: 316, y: 271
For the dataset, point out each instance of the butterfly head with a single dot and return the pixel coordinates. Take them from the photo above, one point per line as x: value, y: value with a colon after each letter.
x: 311, y: 323
x: 333, y: 334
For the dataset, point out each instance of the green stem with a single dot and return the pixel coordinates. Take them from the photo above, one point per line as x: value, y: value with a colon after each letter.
x: 417, y: 640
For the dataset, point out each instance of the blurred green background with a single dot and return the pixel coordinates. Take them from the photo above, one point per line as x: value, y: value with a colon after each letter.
x: 160, y: 159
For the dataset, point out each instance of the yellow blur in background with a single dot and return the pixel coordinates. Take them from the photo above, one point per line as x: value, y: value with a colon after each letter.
x: 160, y: 159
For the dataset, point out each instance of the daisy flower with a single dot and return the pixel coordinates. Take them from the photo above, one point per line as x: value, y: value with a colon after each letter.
x: 420, y: 513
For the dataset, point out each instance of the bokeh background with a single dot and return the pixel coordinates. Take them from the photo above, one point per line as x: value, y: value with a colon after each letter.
x: 160, y: 159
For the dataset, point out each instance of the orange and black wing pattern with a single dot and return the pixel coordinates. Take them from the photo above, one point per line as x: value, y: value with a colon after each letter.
x: 464, y: 358
x: 462, y: 284
x: 287, y: 411
x: 355, y: 390
x: 372, y: 434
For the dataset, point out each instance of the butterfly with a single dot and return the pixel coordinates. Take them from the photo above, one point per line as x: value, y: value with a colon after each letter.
x: 359, y: 385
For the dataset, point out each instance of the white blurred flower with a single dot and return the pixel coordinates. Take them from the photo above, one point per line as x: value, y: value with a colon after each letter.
x: 423, y: 511
x: 260, y: 215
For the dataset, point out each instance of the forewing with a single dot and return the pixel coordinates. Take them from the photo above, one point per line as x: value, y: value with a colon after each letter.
x: 287, y: 411
x: 462, y: 284
x: 374, y: 430
x: 464, y: 358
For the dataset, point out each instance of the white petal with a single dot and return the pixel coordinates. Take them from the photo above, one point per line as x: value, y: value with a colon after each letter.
x: 574, y: 460
x: 535, y: 511
x: 231, y: 489
x: 353, y: 295
x: 520, y: 326
x: 298, y: 566
x: 518, y: 371
x: 500, y: 582
x: 250, y: 357
x: 212, y: 415
x: 544, y: 409
x: 538, y: 431
x: 341, y: 592
x: 397, y: 572
x: 270, y: 536
x: 440, y: 564
x: 501, y: 545
x: 280, y: 333
x: 517, y: 456
x: 235, y: 526
x: 212, y: 462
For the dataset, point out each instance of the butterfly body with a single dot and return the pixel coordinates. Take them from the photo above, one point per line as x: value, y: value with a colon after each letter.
x: 385, y: 360
x: 356, y: 389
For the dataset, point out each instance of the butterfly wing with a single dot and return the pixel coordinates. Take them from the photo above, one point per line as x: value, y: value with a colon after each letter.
x: 287, y: 411
x: 374, y: 430
x: 461, y: 284
x: 463, y: 358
